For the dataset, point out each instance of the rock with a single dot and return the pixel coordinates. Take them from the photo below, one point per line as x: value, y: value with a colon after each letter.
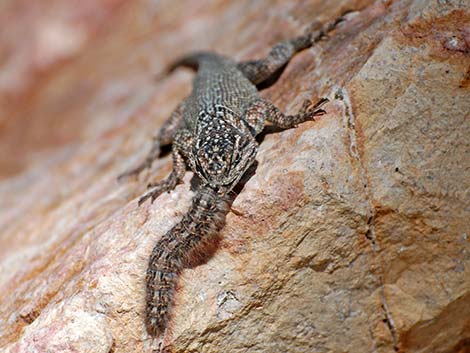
x: 351, y: 236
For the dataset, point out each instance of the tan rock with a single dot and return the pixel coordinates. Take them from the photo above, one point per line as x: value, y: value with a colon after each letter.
x: 352, y: 235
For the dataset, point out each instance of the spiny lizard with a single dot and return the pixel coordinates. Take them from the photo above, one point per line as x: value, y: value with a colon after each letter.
x: 213, y: 133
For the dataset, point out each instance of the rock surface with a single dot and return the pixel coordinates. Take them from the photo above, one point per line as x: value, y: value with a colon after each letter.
x: 353, y: 235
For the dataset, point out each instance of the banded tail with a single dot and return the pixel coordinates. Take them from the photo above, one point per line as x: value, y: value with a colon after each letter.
x: 176, y: 249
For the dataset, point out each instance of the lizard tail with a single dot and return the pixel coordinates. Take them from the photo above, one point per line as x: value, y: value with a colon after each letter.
x: 176, y: 250
x: 192, y: 61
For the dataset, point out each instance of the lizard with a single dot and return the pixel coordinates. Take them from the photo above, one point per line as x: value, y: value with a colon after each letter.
x: 212, y: 133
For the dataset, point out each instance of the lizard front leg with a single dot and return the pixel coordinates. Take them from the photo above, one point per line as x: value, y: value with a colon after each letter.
x: 264, y: 110
x: 181, y: 145
x: 162, y: 138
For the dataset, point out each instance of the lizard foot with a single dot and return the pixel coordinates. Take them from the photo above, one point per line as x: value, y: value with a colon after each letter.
x: 158, y: 189
x: 312, y: 111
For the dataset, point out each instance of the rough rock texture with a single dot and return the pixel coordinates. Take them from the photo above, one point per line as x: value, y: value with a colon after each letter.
x: 352, y: 236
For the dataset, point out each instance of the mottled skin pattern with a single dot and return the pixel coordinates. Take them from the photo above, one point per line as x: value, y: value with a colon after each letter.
x: 213, y: 133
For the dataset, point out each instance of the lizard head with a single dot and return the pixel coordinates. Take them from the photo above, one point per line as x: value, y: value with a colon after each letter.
x: 222, y: 157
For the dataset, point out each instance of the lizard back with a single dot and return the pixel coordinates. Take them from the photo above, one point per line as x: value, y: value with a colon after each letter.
x: 218, y: 83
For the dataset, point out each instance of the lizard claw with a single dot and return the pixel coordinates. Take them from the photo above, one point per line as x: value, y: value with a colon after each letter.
x: 319, y: 112
x: 305, y: 105
x: 133, y: 172
x: 153, y: 198
x: 315, y: 110
x: 152, y: 195
x: 125, y: 175
x: 158, y: 189
x: 320, y: 103
x: 142, y: 199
